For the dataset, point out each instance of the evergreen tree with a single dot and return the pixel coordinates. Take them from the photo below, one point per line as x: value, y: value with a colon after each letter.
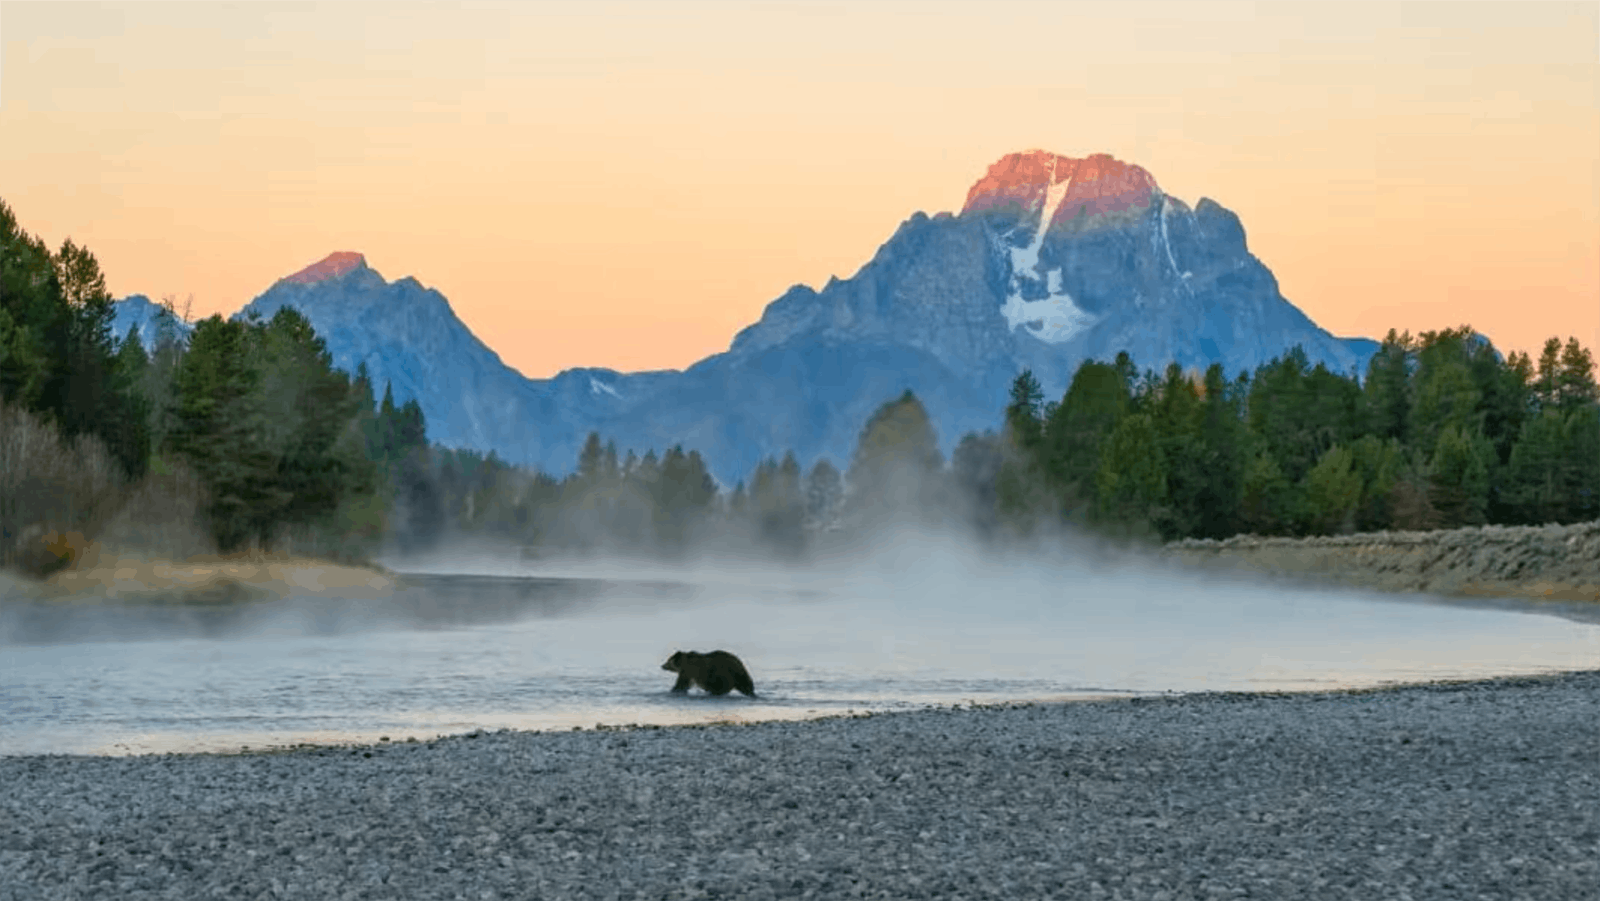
x: 218, y: 432
x: 1575, y: 384
x: 1378, y: 462
x: 1078, y: 427
x: 1459, y: 477
x: 1547, y: 386
x: 1410, y: 504
x: 975, y: 475
x: 1131, y: 482
x: 1333, y: 493
x: 158, y: 386
x: 32, y: 313
x: 57, y: 356
x: 1264, y: 496
x: 776, y: 503
x: 1299, y: 411
x: 896, y: 468
x: 1583, y: 470
x: 1022, y: 413
x: 824, y: 492
x: 130, y: 418
x: 1221, y: 457
x: 1176, y: 414
x: 1446, y: 395
x: 683, y: 497
x: 591, y: 460
x: 1542, y: 474
x: 309, y: 422
x: 1387, y: 391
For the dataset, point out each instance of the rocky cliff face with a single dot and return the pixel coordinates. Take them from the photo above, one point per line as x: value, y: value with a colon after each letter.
x: 411, y: 340
x: 1052, y: 261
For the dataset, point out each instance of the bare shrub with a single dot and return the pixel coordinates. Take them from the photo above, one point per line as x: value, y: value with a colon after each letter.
x: 55, y: 495
x: 163, y: 516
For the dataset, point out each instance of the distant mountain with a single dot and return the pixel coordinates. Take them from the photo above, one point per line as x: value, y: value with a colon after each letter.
x: 412, y: 341
x: 149, y: 316
x: 1052, y: 261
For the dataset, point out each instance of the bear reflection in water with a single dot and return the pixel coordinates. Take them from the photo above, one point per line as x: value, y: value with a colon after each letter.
x: 718, y: 672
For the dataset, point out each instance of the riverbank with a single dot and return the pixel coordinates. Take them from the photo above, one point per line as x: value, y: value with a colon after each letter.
x: 1554, y: 562
x: 1436, y: 791
x: 127, y: 577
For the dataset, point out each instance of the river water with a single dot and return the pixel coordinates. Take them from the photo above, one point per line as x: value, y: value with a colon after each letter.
x: 476, y: 643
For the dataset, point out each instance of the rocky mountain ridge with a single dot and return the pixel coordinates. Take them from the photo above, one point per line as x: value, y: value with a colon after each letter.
x: 1052, y: 261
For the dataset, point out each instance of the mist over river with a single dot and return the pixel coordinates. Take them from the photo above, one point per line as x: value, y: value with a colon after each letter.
x: 474, y: 642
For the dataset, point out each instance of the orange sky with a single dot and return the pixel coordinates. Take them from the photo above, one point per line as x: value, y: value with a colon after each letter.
x: 628, y: 184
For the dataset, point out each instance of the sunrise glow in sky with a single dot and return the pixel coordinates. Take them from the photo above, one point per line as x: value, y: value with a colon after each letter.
x: 628, y: 184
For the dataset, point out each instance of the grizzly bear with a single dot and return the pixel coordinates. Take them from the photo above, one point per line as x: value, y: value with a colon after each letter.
x: 717, y: 672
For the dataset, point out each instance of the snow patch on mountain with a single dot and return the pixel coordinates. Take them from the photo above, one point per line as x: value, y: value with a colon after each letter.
x: 1057, y: 317
x: 1166, y: 241
x: 598, y: 387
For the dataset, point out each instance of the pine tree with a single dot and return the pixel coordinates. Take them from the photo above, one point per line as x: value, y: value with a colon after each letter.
x: 1575, y: 384
x: 896, y: 469
x: 1583, y: 458
x: 1386, y: 393
x: 1221, y: 457
x: 975, y: 475
x: 1177, y: 415
x: 1445, y: 395
x: 1078, y: 427
x: 1333, y: 493
x: 1131, y: 483
x: 1538, y: 479
x: 1265, y: 497
x: 1459, y: 477
x: 218, y: 432
x: 1299, y: 411
x: 591, y: 460
x: 1378, y: 462
x: 824, y: 493
x: 1022, y: 413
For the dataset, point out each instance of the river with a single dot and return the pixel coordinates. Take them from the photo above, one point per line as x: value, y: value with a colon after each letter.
x: 474, y: 643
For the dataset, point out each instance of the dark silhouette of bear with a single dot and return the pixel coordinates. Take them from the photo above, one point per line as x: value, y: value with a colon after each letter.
x: 718, y: 672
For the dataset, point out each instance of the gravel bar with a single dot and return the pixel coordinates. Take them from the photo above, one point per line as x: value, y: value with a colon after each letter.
x: 1452, y: 791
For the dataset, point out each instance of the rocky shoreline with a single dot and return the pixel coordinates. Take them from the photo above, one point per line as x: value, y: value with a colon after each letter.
x: 1442, y: 791
x: 1553, y: 562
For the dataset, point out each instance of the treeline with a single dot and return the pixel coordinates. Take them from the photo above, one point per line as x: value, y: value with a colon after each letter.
x: 668, y: 504
x: 242, y: 436
x: 1442, y: 432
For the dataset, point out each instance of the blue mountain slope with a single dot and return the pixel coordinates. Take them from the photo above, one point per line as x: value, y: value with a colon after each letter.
x: 151, y: 319
x: 951, y: 307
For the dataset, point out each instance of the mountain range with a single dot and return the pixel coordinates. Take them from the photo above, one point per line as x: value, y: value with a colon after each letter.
x: 1050, y: 262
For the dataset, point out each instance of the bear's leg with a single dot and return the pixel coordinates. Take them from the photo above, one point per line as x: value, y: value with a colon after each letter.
x: 683, y: 683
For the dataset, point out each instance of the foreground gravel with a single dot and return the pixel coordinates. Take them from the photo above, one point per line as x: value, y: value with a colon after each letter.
x: 1480, y: 790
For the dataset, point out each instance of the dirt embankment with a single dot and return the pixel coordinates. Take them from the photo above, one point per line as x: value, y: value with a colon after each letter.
x: 1547, y: 562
